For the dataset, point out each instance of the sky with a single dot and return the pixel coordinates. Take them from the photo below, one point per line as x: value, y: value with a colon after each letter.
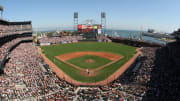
x: 161, y: 15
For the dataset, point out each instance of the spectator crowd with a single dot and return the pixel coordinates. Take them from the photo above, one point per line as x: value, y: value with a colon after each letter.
x: 64, y: 39
x: 12, y: 28
x: 25, y: 79
x: 156, y: 78
x: 70, y: 39
x: 6, y: 46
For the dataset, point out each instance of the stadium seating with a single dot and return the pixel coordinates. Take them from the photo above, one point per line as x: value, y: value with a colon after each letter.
x: 12, y: 28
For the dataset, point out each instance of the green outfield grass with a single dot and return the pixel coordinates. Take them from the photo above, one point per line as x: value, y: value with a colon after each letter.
x: 81, y: 61
x: 56, y: 50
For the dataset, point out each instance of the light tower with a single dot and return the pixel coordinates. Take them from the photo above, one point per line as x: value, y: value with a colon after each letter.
x: 1, y: 9
x: 75, y: 20
x: 141, y: 34
x: 103, y: 22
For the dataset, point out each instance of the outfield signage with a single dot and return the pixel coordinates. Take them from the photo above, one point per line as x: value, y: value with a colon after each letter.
x: 45, y: 44
x: 99, y: 31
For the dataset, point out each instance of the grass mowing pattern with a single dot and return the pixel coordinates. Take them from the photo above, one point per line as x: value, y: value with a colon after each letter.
x: 81, y: 61
x: 56, y: 50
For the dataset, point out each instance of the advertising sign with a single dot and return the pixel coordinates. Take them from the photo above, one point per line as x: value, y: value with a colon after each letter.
x: 95, y: 27
x: 45, y: 44
x: 79, y: 26
x: 90, y: 27
x: 84, y: 27
x: 102, y: 31
x: 99, y: 27
x: 99, y: 31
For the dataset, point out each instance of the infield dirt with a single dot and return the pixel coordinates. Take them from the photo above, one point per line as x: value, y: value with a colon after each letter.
x: 89, y: 72
x: 111, y: 78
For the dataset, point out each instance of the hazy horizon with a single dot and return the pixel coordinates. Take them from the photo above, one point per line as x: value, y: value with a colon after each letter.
x: 161, y: 15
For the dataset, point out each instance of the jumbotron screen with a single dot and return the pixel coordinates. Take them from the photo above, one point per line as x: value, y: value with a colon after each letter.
x: 88, y: 28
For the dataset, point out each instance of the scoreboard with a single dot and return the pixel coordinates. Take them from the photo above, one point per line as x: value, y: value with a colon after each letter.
x: 87, y: 28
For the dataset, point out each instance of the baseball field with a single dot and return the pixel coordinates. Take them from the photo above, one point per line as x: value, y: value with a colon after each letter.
x: 89, y: 61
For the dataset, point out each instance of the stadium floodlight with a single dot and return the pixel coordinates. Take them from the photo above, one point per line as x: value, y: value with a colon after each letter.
x: 75, y: 14
x: 75, y: 20
x: 103, y: 15
x: 103, y: 22
x: 1, y: 9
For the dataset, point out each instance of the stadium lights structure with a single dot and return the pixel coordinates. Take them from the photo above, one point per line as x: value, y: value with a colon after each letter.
x: 91, y: 21
x: 1, y: 9
x: 75, y: 20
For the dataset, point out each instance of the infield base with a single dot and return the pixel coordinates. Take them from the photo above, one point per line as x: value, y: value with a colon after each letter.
x: 89, y: 72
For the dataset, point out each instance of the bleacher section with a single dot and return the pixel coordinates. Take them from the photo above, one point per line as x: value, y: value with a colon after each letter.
x: 12, y: 33
x: 12, y: 28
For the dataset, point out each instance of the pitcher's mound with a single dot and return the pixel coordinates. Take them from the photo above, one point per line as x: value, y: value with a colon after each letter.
x: 89, y: 61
